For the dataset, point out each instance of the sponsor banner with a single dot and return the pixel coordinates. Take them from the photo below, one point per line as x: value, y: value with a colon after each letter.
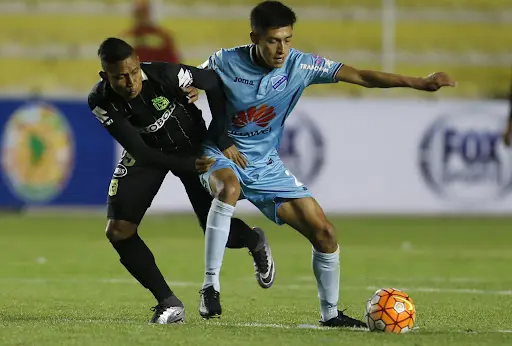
x: 390, y: 156
x: 53, y: 153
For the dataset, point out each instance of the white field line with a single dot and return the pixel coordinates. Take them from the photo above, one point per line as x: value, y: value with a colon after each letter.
x: 255, y: 324
x: 277, y: 326
x: 470, y: 291
x: 249, y: 325
x: 433, y: 279
x: 312, y: 326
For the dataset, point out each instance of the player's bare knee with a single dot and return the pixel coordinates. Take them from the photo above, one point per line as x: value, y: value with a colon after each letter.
x: 227, y: 187
x: 230, y: 192
x: 324, y: 238
x: 118, y: 230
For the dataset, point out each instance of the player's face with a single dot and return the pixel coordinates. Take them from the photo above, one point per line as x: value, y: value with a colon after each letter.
x: 125, y: 77
x: 274, y: 45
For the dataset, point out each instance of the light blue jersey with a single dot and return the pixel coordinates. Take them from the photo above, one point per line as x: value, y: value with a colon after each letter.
x: 258, y: 103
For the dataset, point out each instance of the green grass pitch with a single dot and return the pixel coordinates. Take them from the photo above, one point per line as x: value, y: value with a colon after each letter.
x: 62, y: 284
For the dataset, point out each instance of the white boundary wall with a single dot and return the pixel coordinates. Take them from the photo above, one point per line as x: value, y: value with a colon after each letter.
x: 398, y: 157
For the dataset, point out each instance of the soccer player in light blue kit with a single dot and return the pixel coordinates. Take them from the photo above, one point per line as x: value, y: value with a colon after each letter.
x: 263, y: 82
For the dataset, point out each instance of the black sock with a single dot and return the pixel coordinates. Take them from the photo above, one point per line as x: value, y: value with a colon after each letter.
x: 241, y: 235
x: 171, y: 301
x: 136, y: 257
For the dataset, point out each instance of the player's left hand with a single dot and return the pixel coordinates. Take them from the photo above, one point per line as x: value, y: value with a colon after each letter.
x: 193, y: 94
x: 236, y: 156
x: 437, y: 80
x: 203, y: 164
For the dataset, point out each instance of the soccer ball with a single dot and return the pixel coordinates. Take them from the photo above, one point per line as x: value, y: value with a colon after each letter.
x: 390, y: 310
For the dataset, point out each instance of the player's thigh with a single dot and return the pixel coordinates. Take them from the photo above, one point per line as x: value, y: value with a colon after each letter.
x: 274, y: 184
x: 200, y: 199
x: 307, y: 217
x: 132, y: 190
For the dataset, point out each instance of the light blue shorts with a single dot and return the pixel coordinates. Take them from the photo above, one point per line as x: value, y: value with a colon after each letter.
x: 266, y: 186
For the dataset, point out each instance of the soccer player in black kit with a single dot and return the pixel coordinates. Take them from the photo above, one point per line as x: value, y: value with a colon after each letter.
x: 145, y: 108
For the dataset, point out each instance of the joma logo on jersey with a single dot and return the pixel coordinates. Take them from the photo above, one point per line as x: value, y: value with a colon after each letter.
x: 160, y: 103
x: 314, y: 68
x: 261, y: 116
x: 159, y: 123
x: 243, y: 81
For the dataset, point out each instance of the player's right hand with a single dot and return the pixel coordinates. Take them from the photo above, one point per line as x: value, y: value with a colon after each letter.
x: 192, y: 94
x: 203, y: 164
x: 236, y: 156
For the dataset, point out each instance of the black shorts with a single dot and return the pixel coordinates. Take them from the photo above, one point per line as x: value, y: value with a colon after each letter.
x: 133, y: 188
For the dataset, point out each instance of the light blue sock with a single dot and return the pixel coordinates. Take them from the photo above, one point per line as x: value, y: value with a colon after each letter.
x: 216, y: 237
x: 326, y: 267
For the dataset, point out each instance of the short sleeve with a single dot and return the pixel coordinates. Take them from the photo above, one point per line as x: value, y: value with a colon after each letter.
x: 317, y: 69
x: 214, y: 62
x: 97, y: 106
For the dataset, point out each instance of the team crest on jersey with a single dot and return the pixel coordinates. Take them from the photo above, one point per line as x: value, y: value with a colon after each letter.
x: 160, y: 103
x: 318, y: 59
x: 328, y: 63
x: 279, y: 82
x: 261, y: 116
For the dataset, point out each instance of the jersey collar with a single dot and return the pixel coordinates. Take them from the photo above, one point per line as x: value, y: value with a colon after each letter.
x: 252, y: 52
x: 144, y: 76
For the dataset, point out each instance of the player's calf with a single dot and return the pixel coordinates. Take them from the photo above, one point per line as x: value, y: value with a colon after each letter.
x: 306, y: 216
x: 138, y: 259
x: 225, y: 187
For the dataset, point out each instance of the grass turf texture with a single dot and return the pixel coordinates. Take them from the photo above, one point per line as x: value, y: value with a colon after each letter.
x: 61, y: 283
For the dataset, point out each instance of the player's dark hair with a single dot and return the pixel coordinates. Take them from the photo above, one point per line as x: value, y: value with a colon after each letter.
x: 271, y: 15
x: 113, y: 50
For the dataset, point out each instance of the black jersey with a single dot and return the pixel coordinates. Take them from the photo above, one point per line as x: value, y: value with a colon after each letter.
x: 159, y: 125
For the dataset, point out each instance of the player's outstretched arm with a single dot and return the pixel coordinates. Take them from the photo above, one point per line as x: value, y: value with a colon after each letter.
x: 129, y: 138
x: 376, y: 79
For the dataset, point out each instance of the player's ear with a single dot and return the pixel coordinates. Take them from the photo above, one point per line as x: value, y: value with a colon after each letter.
x: 103, y: 75
x: 254, y: 37
x: 136, y: 58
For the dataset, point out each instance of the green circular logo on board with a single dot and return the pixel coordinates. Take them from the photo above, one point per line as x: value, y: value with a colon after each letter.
x: 37, y: 152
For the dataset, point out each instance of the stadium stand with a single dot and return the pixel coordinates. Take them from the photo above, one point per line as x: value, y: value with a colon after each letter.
x: 50, y: 48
